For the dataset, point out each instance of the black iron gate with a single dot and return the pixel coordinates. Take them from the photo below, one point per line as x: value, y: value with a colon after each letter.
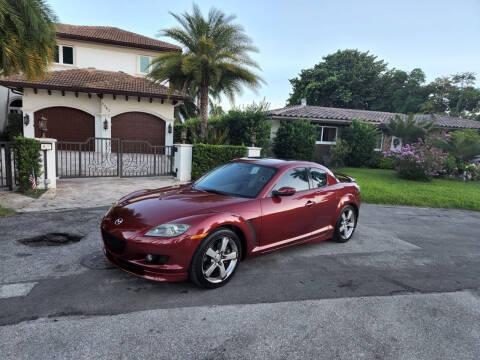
x: 100, y: 157
x: 7, y: 166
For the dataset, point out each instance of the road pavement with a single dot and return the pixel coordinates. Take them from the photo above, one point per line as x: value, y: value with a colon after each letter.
x: 406, y: 286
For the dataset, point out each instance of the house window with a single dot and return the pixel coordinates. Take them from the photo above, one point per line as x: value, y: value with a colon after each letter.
x: 145, y: 64
x: 327, y: 135
x: 378, y: 147
x: 63, y: 54
x: 15, y: 106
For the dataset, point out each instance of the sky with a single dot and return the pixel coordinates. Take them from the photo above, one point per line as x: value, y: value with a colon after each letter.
x: 441, y: 36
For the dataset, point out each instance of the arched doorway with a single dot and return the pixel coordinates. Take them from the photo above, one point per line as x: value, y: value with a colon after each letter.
x: 139, y: 126
x: 66, y: 124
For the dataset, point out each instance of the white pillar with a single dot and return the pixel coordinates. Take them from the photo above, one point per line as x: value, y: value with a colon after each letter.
x: 48, y: 180
x: 28, y: 130
x: 168, y: 137
x: 183, y: 161
x: 253, y: 151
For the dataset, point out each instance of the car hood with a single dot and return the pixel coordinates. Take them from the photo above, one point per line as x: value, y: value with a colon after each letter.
x: 148, y: 208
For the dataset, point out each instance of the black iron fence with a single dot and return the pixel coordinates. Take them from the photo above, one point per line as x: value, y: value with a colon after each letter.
x: 100, y: 157
x: 7, y: 166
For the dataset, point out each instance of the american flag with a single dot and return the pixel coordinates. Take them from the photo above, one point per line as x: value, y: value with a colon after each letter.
x: 32, y: 180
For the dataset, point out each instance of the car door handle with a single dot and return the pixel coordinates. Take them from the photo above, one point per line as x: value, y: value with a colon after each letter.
x: 310, y: 203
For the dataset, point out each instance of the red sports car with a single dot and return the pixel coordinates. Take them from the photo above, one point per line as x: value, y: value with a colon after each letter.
x: 201, y: 231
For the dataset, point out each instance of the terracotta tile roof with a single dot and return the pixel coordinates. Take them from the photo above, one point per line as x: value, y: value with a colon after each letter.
x: 379, y: 117
x: 94, y: 81
x: 113, y: 36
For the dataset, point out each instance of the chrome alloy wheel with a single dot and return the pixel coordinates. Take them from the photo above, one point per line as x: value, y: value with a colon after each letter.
x: 220, y: 260
x: 347, y: 224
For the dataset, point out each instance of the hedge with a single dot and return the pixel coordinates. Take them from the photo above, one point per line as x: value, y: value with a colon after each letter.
x: 27, y: 159
x: 206, y: 157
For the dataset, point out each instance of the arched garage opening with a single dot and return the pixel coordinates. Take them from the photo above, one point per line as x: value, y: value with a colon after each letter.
x: 66, y: 124
x: 139, y: 126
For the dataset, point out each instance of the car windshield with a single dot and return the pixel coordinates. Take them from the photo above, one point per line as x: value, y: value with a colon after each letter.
x: 236, y: 179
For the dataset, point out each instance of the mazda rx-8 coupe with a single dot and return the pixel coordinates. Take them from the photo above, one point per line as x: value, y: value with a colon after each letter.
x: 202, y: 231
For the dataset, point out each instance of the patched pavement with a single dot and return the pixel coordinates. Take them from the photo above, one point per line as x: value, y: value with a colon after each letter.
x: 406, y: 286
x: 83, y: 193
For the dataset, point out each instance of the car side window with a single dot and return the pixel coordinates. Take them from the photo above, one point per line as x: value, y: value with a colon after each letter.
x: 296, y: 178
x: 319, y: 178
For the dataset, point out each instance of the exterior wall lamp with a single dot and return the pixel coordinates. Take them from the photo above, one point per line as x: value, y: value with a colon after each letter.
x: 42, y: 125
x: 26, y: 119
x: 170, y: 128
x: 183, y: 135
x: 105, y: 124
x: 253, y: 138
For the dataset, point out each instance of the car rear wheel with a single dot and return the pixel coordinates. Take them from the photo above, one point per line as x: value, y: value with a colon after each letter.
x: 216, y: 259
x: 346, y: 224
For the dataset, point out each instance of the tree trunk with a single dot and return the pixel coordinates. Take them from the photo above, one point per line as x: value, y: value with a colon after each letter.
x: 204, y: 109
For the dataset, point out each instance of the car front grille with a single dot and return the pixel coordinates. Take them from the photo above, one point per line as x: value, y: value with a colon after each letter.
x: 115, y: 244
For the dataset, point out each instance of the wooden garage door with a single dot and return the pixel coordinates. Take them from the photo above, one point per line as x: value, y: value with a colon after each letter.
x: 66, y: 124
x: 139, y: 126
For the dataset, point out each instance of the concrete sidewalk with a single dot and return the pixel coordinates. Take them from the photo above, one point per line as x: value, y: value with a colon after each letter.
x: 83, y: 193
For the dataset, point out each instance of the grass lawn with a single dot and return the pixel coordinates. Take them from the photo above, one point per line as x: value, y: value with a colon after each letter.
x: 380, y: 186
x: 6, y: 211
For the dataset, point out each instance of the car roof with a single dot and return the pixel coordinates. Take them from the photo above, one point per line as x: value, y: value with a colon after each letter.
x: 277, y: 163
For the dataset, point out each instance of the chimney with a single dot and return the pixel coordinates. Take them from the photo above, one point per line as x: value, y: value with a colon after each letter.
x: 304, y: 102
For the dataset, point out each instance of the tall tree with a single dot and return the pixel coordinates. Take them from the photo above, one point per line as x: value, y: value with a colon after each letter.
x: 215, y: 58
x: 347, y: 79
x: 27, y: 37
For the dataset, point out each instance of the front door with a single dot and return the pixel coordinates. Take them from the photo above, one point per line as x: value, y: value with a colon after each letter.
x: 287, y: 218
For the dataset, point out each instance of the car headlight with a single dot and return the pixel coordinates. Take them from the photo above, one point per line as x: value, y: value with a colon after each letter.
x: 168, y: 230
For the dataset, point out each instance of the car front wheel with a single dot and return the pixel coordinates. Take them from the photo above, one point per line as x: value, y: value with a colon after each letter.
x: 216, y: 259
x: 346, y: 224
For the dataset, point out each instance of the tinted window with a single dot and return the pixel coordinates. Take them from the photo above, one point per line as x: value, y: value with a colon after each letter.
x: 236, y: 179
x: 296, y: 178
x: 67, y: 55
x: 319, y: 178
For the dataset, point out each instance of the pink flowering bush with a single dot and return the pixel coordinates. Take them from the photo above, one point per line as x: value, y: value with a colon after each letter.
x: 419, y: 161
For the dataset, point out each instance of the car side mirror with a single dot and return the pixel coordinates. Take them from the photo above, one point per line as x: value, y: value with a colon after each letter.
x: 284, y: 191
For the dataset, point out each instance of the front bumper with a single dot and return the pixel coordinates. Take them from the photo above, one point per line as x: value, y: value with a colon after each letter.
x: 144, y: 272
x: 129, y: 255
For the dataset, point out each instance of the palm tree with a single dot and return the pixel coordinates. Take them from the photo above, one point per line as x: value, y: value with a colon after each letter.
x: 214, y: 61
x: 27, y: 37
x: 409, y: 130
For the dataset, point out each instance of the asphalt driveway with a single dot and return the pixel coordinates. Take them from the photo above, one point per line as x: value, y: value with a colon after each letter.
x: 406, y: 286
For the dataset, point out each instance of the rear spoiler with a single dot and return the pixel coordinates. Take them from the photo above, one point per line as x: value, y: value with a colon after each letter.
x: 343, y: 177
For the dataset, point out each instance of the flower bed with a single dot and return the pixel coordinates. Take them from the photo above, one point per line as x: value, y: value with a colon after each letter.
x: 419, y: 161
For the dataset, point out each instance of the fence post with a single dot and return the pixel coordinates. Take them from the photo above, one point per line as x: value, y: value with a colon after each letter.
x: 183, y: 161
x: 49, y: 169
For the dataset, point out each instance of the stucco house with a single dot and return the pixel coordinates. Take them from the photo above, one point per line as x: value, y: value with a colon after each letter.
x: 331, y: 121
x: 96, y: 88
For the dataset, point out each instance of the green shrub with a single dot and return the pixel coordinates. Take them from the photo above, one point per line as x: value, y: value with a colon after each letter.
x: 217, y: 131
x: 242, y: 123
x: 205, y: 157
x: 339, y: 153
x: 14, y: 127
x: 295, y: 139
x: 361, y: 138
x: 27, y: 159
x: 386, y: 162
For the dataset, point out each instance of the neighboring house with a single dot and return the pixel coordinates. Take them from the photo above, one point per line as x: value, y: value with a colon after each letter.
x: 331, y: 121
x: 96, y: 88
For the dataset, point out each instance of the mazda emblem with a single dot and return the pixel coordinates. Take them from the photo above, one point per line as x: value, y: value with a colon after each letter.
x: 118, y: 221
